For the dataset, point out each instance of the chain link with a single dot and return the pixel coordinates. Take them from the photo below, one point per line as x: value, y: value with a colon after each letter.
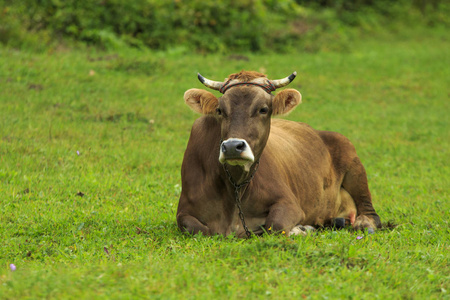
x: 237, y: 197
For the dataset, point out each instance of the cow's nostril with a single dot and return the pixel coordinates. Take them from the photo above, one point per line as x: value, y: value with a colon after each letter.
x: 224, y: 148
x: 240, y: 147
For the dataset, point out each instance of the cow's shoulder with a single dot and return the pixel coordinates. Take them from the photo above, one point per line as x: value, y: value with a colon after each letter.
x: 204, y: 133
x: 201, y: 155
x: 205, y: 126
x: 295, y: 133
x: 296, y: 144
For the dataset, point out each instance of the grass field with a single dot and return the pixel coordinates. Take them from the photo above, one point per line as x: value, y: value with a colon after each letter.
x: 91, y: 145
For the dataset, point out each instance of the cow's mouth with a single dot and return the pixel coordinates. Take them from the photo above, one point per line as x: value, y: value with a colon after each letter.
x: 245, y: 164
x: 237, y: 161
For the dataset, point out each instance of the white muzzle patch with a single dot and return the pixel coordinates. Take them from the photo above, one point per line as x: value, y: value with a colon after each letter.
x: 236, y: 152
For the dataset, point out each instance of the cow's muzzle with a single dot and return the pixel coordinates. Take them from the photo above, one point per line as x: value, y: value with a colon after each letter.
x: 236, y: 152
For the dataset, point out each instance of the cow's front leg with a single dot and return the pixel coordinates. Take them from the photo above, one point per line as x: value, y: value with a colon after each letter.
x: 283, y: 217
x: 191, y: 224
x: 302, y: 230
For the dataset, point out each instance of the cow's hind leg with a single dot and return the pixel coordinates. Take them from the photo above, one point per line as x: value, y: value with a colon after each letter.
x: 355, y: 183
x: 347, y: 210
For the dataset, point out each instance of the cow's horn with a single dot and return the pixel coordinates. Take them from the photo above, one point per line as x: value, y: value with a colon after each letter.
x: 283, y: 82
x: 215, y: 85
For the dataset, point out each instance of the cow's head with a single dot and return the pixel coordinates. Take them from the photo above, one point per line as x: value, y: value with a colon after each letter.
x: 243, y: 112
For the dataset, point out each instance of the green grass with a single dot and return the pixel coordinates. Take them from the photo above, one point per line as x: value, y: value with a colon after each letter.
x: 101, y: 223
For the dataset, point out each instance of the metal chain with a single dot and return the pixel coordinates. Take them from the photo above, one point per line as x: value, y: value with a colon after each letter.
x: 237, y: 197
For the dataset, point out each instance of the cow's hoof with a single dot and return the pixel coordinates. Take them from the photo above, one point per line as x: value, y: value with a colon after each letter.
x: 363, y: 222
x: 370, y: 230
x: 339, y: 223
x: 301, y: 230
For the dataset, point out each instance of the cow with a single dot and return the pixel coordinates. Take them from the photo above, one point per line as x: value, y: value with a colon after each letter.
x: 244, y: 172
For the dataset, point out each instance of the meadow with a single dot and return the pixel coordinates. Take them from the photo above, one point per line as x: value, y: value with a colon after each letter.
x: 91, y: 145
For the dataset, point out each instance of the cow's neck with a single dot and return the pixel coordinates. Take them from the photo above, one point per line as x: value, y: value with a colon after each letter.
x: 239, y: 174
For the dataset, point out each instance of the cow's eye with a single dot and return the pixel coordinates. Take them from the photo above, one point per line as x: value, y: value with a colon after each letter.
x: 218, y: 111
x: 264, y: 110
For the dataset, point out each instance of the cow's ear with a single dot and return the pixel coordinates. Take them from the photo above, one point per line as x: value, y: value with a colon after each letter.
x: 285, y: 101
x: 201, y: 101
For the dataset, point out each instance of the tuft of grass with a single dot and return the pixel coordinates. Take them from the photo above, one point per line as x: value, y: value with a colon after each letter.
x: 90, y: 152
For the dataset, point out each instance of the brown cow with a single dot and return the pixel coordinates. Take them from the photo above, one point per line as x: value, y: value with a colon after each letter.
x: 285, y: 175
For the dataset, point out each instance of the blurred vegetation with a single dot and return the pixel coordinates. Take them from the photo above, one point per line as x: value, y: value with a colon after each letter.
x: 211, y: 26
